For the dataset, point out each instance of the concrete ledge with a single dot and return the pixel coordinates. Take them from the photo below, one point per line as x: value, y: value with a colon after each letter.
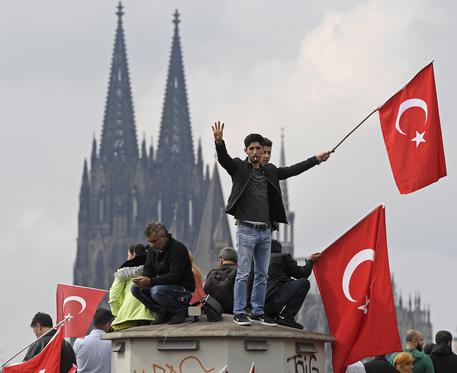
x: 225, y: 328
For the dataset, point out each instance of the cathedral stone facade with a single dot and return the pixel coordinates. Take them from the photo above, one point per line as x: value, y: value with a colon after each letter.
x: 124, y: 186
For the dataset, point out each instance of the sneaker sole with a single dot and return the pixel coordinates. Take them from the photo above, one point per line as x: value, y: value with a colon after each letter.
x: 243, y: 323
x: 268, y: 323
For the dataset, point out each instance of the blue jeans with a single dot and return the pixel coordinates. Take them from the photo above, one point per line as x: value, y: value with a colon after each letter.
x: 251, y: 244
x: 172, y: 299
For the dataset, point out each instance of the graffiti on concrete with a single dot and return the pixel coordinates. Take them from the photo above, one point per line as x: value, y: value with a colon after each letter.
x: 304, y: 363
x: 188, y: 363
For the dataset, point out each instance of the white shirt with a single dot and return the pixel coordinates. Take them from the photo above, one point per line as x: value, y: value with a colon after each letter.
x: 357, y: 367
x: 93, y: 355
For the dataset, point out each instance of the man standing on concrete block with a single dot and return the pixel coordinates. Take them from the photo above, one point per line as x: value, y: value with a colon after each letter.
x: 256, y: 202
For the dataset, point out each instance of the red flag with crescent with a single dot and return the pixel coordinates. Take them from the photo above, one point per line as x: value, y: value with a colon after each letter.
x: 354, y: 281
x: 47, y: 361
x: 80, y: 303
x: 410, y: 124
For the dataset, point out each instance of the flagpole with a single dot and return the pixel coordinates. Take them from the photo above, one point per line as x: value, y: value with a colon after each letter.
x: 369, y: 115
x: 41, y: 336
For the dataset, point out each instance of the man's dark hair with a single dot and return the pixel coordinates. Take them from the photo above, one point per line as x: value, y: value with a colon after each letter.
x: 155, y: 227
x: 276, y: 246
x: 138, y: 249
x: 267, y: 142
x: 443, y: 337
x: 102, y: 317
x: 428, y: 348
x: 42, y: 319
x: 253, y: 137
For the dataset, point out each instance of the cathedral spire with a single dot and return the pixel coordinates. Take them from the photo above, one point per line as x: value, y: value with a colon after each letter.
x: 282, y: 163
x: 93, y: 156
x: 175, y: 141
x: 119, y: 140
x: 84, y: 196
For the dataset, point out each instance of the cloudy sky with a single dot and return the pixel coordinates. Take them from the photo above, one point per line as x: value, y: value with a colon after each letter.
x: 314, y: 68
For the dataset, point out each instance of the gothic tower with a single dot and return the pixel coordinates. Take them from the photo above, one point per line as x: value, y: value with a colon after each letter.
x: 113, y: 193
x: 285, y: 234
x: 125, y: 187
x: 181, y: 178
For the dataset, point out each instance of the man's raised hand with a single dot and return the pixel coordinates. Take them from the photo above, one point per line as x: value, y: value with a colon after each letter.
x: 218, y: 130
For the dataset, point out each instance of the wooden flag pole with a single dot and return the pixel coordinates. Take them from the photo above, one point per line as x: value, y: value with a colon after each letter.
x: 350, y: 133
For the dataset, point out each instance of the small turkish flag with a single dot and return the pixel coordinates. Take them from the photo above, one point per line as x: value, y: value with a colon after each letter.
x: 354, y: 281
x: 80, y: 303
x: 410, y: 124
x: 47, y: 361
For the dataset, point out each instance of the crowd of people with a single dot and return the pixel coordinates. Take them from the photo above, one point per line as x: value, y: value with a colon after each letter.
x: 255, y: 283
x: 415, y: 358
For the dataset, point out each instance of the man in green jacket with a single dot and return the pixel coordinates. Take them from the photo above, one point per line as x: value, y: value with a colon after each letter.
x: 414, y: 342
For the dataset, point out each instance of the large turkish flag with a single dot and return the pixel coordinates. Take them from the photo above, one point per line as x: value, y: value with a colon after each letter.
x: 80, y: 303
x: 354, y: 281
x: 47, y: 361
x: 411, y: 128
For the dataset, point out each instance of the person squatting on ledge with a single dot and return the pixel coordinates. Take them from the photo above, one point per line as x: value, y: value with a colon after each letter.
x: 167, y: 282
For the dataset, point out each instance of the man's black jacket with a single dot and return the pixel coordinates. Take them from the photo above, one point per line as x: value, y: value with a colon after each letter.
x: 282, y: 267
x: 241, y: 172
x: 444, y: 360
x: 170, y: 265
x: 220, y: 283
x: 67, y: 355
x: 379, y: 365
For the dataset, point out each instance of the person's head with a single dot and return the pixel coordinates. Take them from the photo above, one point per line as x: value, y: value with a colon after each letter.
x: 443, y: 337
x: 403, y: 362
x: 253, y: 144
x: 41, y: 323
x: 156, y: 234
x: 266, y: 151
x: 276, y: 246
x: 414, y: 339
x: 135, y: 250
x: 228, y: 255
x: 103, y: 319
x: 428, y: 348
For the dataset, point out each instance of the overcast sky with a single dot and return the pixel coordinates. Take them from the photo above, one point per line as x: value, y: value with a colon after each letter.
x: 314, y: 68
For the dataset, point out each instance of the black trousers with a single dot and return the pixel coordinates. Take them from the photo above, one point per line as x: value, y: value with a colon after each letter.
x: 288, y: 299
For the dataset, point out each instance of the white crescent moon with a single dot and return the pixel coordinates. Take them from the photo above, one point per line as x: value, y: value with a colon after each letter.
x: 407, y: 104
x: 356, y: 260
x: 80, y: 300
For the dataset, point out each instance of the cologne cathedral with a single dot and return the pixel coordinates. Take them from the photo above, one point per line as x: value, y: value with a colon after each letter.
x: 125, y: 185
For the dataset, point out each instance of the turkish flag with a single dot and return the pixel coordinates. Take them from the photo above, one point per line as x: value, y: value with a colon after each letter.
x: 354, y: 281
x: 80, y: 303
x: 411, y: 128
x: 47, y: 361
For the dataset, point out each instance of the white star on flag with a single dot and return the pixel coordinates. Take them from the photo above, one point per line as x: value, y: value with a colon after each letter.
x: 363, y: 307
x: 419, y: 138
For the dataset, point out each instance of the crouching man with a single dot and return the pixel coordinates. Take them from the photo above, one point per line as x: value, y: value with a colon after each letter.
x: 285, y: 295
x: 167, y: 282
x: 220, y: 281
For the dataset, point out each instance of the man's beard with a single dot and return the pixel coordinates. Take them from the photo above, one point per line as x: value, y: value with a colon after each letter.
x: 419, y: 347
